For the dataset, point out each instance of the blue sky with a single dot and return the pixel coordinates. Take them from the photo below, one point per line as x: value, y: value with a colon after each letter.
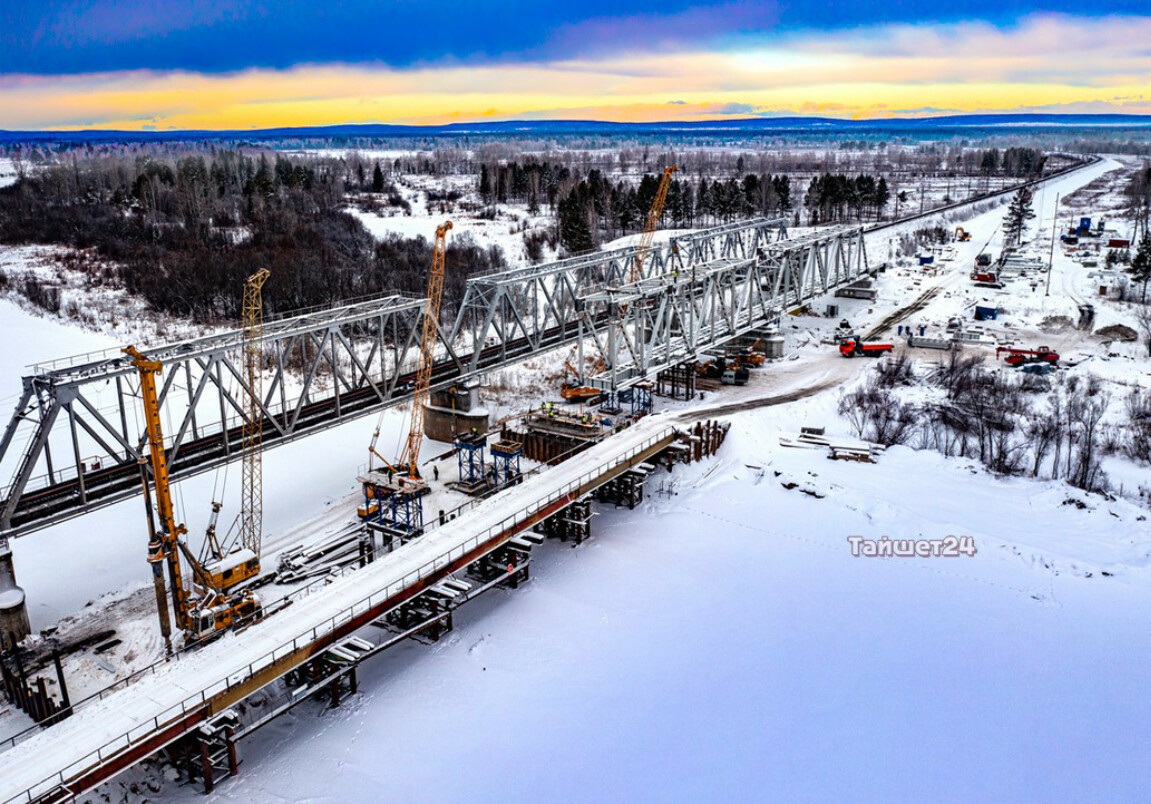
x: 156, y: 64
x: 54, y: 37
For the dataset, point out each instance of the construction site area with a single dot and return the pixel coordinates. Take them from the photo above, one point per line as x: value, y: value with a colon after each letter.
x: 661, y: 343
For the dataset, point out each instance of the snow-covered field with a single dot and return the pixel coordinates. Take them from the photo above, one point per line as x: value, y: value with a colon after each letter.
x: 7, y: 172
x: 721, y: 642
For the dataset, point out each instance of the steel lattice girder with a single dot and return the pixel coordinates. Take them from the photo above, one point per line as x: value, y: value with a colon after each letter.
x: 541, y: 303
x: 319, y: 367
x: 658, y: 322
x: 322, y: 367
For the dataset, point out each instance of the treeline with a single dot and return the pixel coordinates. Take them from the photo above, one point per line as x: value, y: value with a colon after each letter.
x: 837, y: 198
x: 595, y: 208
x: 532, y: 183
x: 186, y: 229
x: 1012, y: 423
x: 1016, y: 161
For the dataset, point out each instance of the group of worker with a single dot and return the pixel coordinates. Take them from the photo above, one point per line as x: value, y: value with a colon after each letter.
x: 549, y: 409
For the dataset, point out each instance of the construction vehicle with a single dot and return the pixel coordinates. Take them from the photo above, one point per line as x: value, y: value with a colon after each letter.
x: 852, y: 346
x: 961, y: 235
x: 206, y: 609
x: 986, y: 278
x: 242, y: 563
x: 574, y: 390
x: 1021, y: 357
x: 751, y: 356
x: 410, y: 458
x: 649, y: 226
x: 735, y: 374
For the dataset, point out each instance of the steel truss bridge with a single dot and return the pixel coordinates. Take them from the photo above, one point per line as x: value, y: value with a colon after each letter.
x: 76, y: 439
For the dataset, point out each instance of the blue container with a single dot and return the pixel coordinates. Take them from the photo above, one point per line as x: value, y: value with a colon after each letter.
x: 986, y: 313
x: 926, y: 259
x: 1084, y: 223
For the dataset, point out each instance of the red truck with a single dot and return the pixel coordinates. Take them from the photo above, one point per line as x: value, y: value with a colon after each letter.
x: 850, y: 347
x: 1020, y: 357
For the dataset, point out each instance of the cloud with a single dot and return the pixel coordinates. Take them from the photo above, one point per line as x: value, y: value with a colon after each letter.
x: 867, y: 72
x: 738, y: 109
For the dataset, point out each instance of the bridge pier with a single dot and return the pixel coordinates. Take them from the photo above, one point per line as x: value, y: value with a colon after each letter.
x: 14, y: 625
x: 455, y: 410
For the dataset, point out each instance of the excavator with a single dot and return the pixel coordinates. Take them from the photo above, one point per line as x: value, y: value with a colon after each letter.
x: 574, y: 390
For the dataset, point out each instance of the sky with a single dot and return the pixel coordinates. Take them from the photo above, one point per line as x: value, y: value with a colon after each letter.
x: 242, y: 64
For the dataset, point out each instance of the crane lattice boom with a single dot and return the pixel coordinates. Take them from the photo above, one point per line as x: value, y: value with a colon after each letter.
x: 411, y: 454
x: 252, y: 501
x: 651, y: 223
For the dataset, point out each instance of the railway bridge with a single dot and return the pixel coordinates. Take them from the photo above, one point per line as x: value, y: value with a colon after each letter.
x: 75, y: 440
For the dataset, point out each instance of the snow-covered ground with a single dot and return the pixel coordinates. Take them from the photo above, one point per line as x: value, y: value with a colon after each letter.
x: 505, y: 230
x: 721, y: 642
x: 87, y: 297
x: 7, y: 172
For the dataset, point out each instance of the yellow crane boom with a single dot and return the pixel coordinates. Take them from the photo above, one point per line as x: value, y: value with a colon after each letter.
x: 411, y: 454
x: 252, y: 502
x: 165, y: 545
x: 206, y: 609
x: 649, y: 226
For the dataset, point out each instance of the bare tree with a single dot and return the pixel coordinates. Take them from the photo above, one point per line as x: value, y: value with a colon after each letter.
x: 1143, y: 317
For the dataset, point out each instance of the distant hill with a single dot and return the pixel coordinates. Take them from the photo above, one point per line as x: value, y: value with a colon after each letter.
x: 519, y: 128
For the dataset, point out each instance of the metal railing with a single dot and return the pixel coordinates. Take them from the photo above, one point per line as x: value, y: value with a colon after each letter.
x: 194, y: 703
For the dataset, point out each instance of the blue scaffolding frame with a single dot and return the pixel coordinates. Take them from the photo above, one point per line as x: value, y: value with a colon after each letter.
x: 506, y: 463
x: 407, y: 510
x: 397, y: 511
x: 470, y: 458
x: 641, y: 401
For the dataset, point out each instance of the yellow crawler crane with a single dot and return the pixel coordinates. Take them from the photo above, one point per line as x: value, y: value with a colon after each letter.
x: 410, y: 457
x: 206, y: 608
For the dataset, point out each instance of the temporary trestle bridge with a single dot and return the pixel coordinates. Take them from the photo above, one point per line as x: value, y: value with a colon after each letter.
x: 315, y: 645
x: 76, y: 438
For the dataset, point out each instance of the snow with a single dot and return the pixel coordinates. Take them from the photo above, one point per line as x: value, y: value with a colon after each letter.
x: 720, y: 642
x: 209, y: 669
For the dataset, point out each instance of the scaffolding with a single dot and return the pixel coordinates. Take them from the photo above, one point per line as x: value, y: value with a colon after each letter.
x: 506, y: 463
x: 677, y: 382
x: 470, y: 459
x: 395, y: 508
x: 641, y: 399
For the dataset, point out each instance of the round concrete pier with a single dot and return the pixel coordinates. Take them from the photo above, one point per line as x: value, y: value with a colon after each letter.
x: 773, y: 345
x: 13, y: 610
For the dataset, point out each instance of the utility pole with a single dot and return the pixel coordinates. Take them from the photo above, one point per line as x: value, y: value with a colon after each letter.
x: 1051, y: 257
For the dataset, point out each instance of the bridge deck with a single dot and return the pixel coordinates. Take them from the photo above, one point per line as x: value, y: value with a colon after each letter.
x: 111, y: 734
